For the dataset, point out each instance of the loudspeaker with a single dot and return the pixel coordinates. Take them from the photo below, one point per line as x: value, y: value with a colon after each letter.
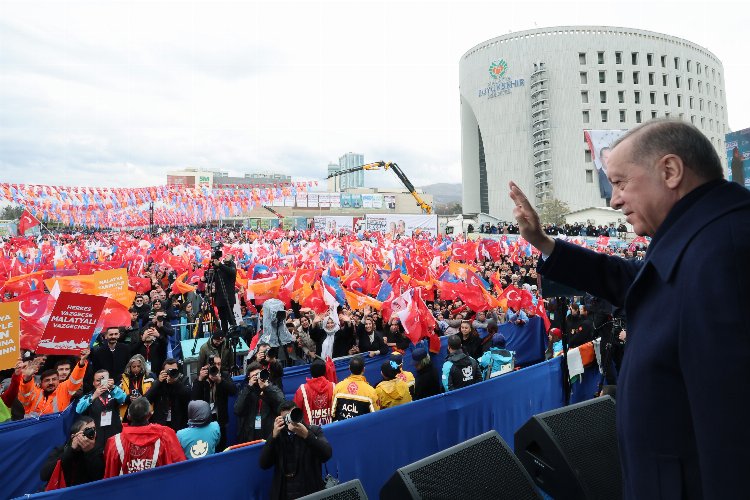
x: 350, y: 490
x: 480, y: 468
x: 572, y: 452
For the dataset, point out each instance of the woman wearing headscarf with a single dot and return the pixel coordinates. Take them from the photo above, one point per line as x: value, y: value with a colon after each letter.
x: 135, y: 382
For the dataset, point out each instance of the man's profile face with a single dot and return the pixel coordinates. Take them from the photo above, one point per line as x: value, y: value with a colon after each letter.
x: 639, y: 189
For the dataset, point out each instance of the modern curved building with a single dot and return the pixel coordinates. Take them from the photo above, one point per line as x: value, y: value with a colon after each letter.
x: 528, y: 98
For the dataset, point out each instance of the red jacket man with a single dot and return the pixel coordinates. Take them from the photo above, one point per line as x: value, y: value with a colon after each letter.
x: 316, y: 396
x: 141, y: 445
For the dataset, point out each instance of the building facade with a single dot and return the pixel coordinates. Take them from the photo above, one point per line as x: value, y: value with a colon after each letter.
x: 527, y: 98
x: 194, y: 177
x: 353, y: 179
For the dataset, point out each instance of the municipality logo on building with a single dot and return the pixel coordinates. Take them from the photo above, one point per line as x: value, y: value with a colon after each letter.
x: 498, y: 69
x: 500, y: 84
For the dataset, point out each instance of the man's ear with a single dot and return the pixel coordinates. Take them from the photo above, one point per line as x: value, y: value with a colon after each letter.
x: 672, y: 170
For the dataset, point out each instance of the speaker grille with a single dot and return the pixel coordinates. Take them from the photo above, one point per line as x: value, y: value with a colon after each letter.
x: 486, y: 469
x: 589, y: 439
x: 350, y: 494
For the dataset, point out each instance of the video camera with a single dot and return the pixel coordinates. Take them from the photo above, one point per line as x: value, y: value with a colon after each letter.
x: 216, y: 247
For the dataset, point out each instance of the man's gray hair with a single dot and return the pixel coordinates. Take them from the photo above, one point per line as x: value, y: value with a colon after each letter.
x: 139, y: 410
x: 657, y: 138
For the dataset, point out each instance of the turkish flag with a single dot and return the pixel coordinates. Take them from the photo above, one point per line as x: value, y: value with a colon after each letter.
x: 542, y: 313
x: 26, y: 222
x: 114, y: 314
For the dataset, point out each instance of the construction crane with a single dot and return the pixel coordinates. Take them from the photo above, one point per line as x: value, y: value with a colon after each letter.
x: 386, y: 165
x: 277, y: 214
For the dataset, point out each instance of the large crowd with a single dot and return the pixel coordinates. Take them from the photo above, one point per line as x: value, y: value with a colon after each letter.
x: 130, y: 390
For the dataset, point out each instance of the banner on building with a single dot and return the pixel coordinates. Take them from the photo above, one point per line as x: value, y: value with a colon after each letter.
x: 389, y: 200
x: 738, y: 156
x: 71, y: 324
x: 402, y: 225
x: 313, y: 200
x: 600, y: 143
x: 334, y: 223
x: 302, y: 200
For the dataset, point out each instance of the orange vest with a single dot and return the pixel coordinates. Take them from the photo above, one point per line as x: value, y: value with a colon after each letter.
x: 33, y: 400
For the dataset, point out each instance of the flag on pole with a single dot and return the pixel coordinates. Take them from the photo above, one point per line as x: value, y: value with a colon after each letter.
x: 26, y: 222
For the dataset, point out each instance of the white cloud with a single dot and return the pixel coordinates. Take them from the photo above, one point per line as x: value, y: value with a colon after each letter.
x: 117, y: 93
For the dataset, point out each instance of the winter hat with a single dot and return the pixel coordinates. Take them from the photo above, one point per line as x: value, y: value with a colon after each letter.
x: 498, y: 340
x: 199, y: 413
x: 418, y: 355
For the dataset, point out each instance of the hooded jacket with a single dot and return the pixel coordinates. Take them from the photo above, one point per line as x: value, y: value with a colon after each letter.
x: 315, y: 398
x: 495, y: 362
x: 393, y: 393
x: 460, y: 370
x: 139, y: 448
x: 353, y: 396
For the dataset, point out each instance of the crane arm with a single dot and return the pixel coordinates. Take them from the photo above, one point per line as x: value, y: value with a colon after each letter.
x: 382, y: 165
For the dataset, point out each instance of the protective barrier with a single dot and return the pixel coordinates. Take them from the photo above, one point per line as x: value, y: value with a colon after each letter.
x: 30, y: 441
x: 404, y: 434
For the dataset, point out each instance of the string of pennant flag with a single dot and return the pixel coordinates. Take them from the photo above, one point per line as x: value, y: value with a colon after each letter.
x: 129, y: 207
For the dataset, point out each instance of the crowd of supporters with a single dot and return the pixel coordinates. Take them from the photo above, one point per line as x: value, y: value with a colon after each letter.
x: 131, y: 391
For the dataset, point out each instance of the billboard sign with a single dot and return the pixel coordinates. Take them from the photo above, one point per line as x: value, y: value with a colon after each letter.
x: 738, y: 156
x: 398, y: 225
x: 600, y: 143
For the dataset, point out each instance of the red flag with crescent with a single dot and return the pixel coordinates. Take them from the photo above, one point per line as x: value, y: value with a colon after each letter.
x: 26, y: 222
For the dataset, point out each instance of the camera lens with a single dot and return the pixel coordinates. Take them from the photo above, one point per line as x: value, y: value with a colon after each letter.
x: 173, y: 372
x: 89, y: 432
x: 264, y: 375
x: 294, y: 416
x: 213, y: 370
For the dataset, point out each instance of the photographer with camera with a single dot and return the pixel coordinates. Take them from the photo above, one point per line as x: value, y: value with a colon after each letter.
x: 218, y: 345
x: 80, y: 460
x: 103, y: 406
x: 257, y: 405
x: 297, y: 452
x: 170, y: 395
x: 222, y: 277
x: 214, y: 386
x: 136, y: 382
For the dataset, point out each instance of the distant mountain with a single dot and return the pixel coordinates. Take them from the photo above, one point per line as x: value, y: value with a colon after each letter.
x: 444, y: 193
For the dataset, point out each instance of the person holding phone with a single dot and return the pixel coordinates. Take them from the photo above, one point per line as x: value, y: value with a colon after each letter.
x: 103, y: 406
x: 257, y: 405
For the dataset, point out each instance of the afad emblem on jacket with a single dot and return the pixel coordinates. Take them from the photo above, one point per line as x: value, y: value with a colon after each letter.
x: 352, y: 388
x: 467, y: 373
x: 199, y: 449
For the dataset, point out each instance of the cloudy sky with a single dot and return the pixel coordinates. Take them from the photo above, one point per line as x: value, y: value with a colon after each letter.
x: 115, y: 93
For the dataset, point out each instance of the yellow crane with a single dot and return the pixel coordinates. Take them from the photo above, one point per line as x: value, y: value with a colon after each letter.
x: 387, y: 165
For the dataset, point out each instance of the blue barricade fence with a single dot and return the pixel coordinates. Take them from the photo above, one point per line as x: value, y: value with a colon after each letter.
x: 403, y: 435
x: 528, y: 343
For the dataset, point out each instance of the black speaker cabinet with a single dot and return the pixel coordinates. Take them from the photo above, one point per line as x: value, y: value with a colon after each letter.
x: 572, y: 452
x: 480, y: 468
x: 350, y: 490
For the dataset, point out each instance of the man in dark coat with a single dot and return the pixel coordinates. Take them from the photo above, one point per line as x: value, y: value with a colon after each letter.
x: 111, y: 356
x: 256, y: 406
x: 170, y: 395
x: 681, y: 426
x: 225, y: 275
x: 296, y: 451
